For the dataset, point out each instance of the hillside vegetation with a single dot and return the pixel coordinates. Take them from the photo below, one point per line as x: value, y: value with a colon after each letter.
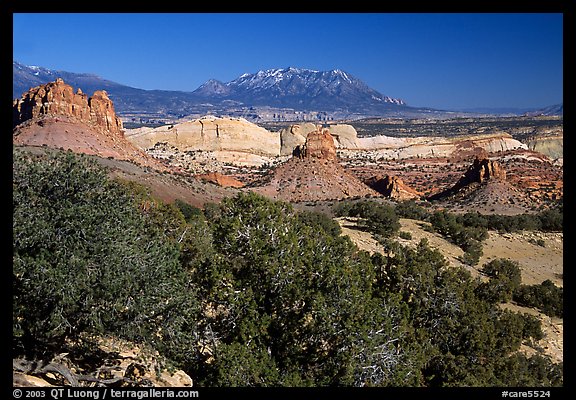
x: 251, y: 292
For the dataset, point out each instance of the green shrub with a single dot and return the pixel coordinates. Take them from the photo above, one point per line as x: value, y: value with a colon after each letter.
x: 190, y: 212
x: 547, y: 297
x: 505, y: 278
x: 518, y: 370
x: 547, y: 220
x: 318, y: 220
x: 295, y: 302
x: 87, y: 261
x: 251, y: 292
x: 409, y: 209
x: 532, y: 327
x: 468, y: 238
x: 379, y: 219
x: 405, y: 235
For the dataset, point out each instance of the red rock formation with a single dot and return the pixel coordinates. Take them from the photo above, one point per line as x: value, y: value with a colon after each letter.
x: 313, y: 173
x: 393, y: 187
x: 58, y: 98
x: 319, y: 144
x: 220, y: 180
x: 481, y: 170
x: 102, y: 112
x: 53, y: 115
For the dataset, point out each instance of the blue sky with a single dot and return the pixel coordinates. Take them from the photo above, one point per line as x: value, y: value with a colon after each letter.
x: 451, y: 61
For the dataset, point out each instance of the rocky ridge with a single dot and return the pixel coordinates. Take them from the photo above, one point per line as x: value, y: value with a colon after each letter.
x: 221, y: 135
x: 396, y: 148
x: 58, y: 98
x: 55, y: 116
x: 210, y: 133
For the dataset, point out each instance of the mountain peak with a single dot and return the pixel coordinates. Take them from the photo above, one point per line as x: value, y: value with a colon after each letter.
x: 334, y: 92
x: 213, y: 87
x: 302, y: 88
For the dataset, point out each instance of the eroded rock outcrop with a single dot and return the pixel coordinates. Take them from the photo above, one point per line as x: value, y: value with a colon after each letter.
x: 58, y: 98
x: 313, y: 173
x: 393, y: 187
x: 220, y: 180
x: 295, y: 135
x: 485, y: 180
x: 344, y: 136
x: 210, y: 133
x: 133, y: 365
x: 319, y: 144
x: 55, y: 116
x: 482, y: 169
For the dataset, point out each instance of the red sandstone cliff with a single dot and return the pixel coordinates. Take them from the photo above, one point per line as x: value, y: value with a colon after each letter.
x: 58, y: 98
x: 55, y: 116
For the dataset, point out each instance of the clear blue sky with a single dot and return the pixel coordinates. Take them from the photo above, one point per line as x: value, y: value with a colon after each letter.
x: 451, y: 61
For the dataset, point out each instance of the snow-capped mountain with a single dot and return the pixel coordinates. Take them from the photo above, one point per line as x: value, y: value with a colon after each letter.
x: 301, y: 89
x: 307, y: 82
x: 283, y: 94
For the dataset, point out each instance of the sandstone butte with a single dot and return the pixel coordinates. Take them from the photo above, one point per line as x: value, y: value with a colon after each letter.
x: 210, y: 133
x: 227, y: 134
x: 53, y: 115
x: 484, y: 179
x: 313, y: 173
x: 58, y: 98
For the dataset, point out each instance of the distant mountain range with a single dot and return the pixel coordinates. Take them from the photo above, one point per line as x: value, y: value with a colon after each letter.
x: 304, y: 88
x: 556, y: 109
x: 553, y: 110
x: 274, y: 94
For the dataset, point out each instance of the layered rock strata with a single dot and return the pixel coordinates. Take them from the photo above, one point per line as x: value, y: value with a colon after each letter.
x: 210, y: 133
x: 58, y: 98
x: 55, y: 116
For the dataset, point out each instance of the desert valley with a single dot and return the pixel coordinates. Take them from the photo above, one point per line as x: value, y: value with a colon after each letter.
x: 489, y: 166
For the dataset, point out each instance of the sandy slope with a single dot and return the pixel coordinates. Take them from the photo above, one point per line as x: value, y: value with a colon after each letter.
x: 537, y: 263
